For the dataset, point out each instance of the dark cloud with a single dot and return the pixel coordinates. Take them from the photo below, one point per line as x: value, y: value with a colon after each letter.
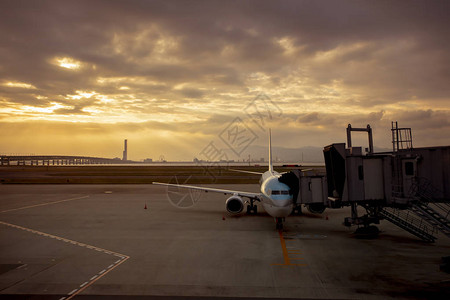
x: 318, y: 59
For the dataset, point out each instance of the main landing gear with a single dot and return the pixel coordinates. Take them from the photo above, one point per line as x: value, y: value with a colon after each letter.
x: 252, y: 209
x: 297, y: 210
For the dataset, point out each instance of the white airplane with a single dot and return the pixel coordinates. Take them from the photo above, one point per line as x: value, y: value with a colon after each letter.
x: 275, y: 196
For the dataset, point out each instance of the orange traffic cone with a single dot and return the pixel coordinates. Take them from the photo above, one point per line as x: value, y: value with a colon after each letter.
x: 145, y: 207
x: 223, y: 218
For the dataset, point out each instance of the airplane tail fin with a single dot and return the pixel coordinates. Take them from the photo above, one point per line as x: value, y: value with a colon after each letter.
x: 270, y: 151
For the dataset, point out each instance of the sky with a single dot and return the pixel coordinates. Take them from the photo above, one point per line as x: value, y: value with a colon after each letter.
x: 185, y: 79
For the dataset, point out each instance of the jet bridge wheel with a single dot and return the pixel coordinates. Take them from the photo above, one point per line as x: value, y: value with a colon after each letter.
x: 367, y: 232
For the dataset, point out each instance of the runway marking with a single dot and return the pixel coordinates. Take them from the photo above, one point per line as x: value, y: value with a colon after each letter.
x: 44, y: 204
x: 286, y: 252
x: 93, y: 279
x: 75, y: 290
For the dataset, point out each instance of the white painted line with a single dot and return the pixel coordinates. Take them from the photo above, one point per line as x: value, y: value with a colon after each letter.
x: 43, y: 204
x: 73, y: 291
x: 93, y: 278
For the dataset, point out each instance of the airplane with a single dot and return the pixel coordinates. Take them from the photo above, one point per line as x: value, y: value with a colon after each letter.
x: 275, y: 196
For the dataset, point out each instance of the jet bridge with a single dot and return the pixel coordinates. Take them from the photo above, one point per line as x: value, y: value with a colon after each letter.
x: 409, y: 187
x: 308, y: 188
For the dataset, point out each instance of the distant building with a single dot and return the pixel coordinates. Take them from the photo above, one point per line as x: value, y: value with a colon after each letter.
x: 148, y: 160
x: 125, y: 151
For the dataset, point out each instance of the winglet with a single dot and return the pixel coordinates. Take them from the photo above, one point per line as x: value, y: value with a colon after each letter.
x: 270, y: 152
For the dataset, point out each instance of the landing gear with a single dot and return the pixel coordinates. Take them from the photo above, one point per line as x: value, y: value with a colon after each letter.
x: 297, y: 210
x: 252, y: 209
x: 279, y: 225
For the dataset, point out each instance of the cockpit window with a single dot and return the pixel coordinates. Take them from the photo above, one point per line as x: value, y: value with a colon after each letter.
x: 280, y: 192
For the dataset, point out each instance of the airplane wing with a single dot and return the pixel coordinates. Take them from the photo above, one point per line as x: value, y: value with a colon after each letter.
x: 255, y: 196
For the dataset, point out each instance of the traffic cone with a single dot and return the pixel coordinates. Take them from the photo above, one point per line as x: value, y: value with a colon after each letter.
x: 223, y: 218
x: 145, y: 207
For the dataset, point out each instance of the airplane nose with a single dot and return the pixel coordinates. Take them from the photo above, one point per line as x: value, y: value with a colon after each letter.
x: 282, y: 202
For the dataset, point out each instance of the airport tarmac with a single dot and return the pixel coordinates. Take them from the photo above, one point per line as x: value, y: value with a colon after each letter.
x: 98, y: 241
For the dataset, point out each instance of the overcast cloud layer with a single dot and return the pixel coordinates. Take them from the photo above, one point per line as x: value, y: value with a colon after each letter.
x: 77, y: 77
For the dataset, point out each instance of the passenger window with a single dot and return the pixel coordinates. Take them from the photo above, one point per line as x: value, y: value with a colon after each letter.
x: 275, y: 192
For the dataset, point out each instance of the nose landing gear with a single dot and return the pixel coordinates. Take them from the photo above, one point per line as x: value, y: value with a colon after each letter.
x: 279, y: 225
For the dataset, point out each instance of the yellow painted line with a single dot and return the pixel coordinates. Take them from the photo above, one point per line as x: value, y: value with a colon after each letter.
x: 287, y: 259
x: 283, y: 247
x: 44, y: 204
x: 93, y: 279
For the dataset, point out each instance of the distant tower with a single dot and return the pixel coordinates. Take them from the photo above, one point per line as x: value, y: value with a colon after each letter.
x: 125, y: 151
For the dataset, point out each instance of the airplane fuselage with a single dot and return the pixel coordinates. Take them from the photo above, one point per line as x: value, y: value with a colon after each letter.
x: 276, y: 197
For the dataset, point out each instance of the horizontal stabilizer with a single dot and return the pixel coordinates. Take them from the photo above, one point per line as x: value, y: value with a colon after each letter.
x: 245, y: 171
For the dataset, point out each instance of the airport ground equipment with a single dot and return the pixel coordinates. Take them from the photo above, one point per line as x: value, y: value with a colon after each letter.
x: 409, y: 187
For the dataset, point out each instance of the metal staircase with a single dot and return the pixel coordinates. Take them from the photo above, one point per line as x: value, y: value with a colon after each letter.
x: 433, y: 216
x: 435, y: 213
x: 407, y: 221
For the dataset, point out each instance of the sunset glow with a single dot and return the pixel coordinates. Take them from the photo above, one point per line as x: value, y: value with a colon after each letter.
x: 170, y: 76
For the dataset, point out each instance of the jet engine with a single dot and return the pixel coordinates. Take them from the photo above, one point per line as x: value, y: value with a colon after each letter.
x: 316, y: 208
x: 234, y: 204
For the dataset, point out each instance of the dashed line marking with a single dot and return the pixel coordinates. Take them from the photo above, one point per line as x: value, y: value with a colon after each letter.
x: 72, y: 292
x: 96, y: 277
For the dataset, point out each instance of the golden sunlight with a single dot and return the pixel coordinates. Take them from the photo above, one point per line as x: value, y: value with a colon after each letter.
x: 19, y: 85
x: 67, y: 62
